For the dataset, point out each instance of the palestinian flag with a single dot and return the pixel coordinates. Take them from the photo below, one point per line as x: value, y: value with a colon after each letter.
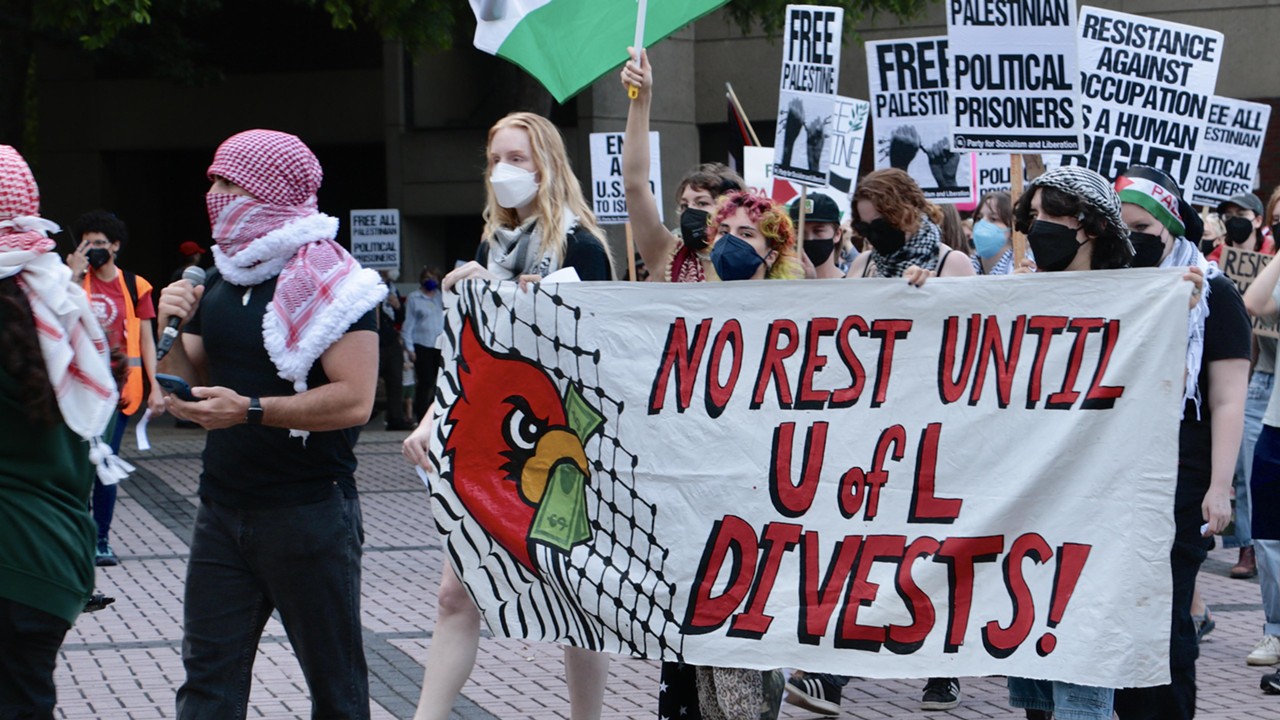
x: 569, y: 44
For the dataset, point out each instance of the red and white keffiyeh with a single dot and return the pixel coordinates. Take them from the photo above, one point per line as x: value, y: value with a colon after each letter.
x: 276, y: 230
x: 71, y: 340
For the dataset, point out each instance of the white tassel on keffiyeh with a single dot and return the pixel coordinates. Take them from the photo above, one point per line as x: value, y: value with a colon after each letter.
x: 1185, y: 254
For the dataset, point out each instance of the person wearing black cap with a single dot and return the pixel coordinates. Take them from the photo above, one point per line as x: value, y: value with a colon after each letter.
x: 821, y: 233
x: 1165, y: 231
x: 1242, y: 215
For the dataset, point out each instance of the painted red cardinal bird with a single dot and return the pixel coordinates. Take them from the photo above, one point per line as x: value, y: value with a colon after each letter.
x: 516, y: 449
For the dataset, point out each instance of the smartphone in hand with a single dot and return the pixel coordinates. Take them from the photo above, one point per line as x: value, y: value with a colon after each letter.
x: 176, y: 386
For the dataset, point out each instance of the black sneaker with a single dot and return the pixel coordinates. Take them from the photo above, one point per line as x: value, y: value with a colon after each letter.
x: 1271, y: 683
x: 941, y: 694
x: 813, y: 693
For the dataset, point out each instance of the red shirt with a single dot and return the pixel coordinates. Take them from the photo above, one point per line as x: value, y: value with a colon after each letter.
x: 106, y: 298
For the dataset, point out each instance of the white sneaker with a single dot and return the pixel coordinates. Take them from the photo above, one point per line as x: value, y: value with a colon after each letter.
x: 1266, y: 652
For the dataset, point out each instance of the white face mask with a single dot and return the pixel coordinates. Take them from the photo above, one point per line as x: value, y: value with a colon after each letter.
x: 513, y: 186
x: 393, y: 275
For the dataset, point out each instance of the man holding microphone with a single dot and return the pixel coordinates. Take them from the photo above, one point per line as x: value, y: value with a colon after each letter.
x: 277, y: 345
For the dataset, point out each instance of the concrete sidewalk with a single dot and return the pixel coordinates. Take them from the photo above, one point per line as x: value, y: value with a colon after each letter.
x: 125, y: 661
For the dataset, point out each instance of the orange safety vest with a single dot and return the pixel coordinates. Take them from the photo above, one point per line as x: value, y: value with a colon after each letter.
x: 131, y: 391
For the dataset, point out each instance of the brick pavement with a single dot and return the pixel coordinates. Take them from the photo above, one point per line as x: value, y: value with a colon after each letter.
x: 125, y: 662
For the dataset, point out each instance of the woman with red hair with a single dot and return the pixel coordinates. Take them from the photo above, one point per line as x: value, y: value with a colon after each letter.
x: 753, y: 239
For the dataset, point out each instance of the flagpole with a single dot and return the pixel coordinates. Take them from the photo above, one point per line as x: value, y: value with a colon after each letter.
x: 633, y: 92
x: 631, y: 254
x: 804, y: 195
x: 737, y: 106
x: 1015, y: 192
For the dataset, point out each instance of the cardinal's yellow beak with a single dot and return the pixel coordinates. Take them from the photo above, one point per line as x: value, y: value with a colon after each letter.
x: 553, y: 447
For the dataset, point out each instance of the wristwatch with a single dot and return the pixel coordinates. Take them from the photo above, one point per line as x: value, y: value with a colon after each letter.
x: 254, y: 414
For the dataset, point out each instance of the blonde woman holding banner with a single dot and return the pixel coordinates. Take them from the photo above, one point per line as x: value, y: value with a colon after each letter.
x: 536, y: 222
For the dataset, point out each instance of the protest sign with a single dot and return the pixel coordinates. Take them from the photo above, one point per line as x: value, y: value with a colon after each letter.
x: 849, y: 132
x: 1232, y: 147
x: 1014, y: 76
x: 806, y: 99
x: 1243, y: 267
x: 1145, y: 89
x: 608, y: 197
x: 910, y: 103
x: 995, y: 173
x: 975, y: 477
x: 375, y: 238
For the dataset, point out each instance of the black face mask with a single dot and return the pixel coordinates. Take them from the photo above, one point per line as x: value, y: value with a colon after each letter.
x: 1206, y: 247
x: 819, y: 250
x: 883, y: 236
x: 1054, y: 245
x: 1239, y: 230
x: 99, y: 257
x: 693, y: 229
x: 1148, y: 249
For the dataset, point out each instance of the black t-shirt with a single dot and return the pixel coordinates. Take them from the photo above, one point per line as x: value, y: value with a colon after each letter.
x: 583, y: 252
x: 1227, y: 336
x: 254, y: 465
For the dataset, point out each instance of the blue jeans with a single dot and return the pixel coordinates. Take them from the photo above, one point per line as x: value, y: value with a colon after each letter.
x: 1255, y: 407
x: 1266, y: 483
x: 303, y: 561
x: 1067, y: 701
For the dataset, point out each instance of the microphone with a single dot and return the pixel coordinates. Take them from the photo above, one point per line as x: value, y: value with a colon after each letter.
x: 194, y: 275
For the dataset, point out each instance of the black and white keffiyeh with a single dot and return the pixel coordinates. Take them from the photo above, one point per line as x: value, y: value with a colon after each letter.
x: 1092, y: 188
x: 921, y: 249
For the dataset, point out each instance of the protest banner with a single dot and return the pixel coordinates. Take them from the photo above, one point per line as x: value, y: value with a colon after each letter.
x: 910, y: 102
x: 608, y: 197
x: 806, y: 98
x: 375, y: 238
x: 1232, y: 147
x: 1014, y: 76
x: 975, y: 477
x: 1145, y: 88
x: 1243, y: 267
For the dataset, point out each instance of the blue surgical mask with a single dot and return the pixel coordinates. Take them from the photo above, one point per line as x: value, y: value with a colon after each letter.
x: 430, y: 285
x: 989, y: 238
x: 734, y: 258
